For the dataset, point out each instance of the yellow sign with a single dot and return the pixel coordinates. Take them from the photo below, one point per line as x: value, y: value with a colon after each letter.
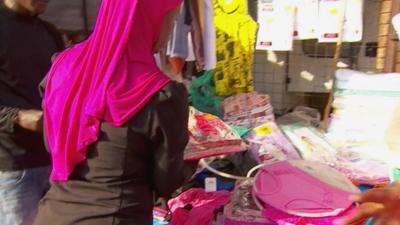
x: 264, y: 129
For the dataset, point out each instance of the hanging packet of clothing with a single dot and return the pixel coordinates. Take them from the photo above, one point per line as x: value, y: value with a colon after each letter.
x: 208, y: 27
x: 353, y: 26
x: 235, y: 31
x: 276, y: 19
x: 330, y: 20
x: 306, y: 20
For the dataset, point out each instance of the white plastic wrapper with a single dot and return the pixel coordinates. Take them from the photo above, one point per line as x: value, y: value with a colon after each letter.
x: 276, y: 25
x: 306, y: 20
x: 330, y: 19
x: 396, y: 24
x: 353, y: 26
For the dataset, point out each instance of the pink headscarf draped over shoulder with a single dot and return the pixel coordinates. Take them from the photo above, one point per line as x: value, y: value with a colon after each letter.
x: 110, y: 77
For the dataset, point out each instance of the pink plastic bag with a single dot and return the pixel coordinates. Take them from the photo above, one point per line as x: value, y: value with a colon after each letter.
x: 202, y: 204
x: 282, y: 218
x: 323, y: 192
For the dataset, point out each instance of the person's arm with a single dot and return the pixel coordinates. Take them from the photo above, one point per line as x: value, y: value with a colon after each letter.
x: 58, y: 40
x: 383, y: 205
x: 8, y: 116
x: 170, y: 136
x: 26, y: 119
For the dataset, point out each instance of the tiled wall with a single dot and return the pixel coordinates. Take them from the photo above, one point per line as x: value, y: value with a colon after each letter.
x: 307, y: 75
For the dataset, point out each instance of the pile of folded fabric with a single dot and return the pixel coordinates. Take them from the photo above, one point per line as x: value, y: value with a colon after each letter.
x: 210, y: 136
x: 366, y: 118
x: 367, y: 111
x: 248, y: 109
x: 313, y: 146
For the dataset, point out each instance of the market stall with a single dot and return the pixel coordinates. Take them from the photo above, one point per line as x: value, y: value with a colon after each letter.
x: 291, y: 150
x: 256, y: 166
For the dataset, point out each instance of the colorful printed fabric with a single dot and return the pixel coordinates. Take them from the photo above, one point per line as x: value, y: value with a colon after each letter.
x: 247, y: 109
x: 235, y: 39
x: 210, y: 136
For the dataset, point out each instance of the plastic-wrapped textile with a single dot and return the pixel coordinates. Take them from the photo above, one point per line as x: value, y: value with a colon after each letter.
x: 366, y: 121
x: 210, y: 136
x: 247, y: 109
x: 330, y: 13
x: 242, y: 210
x: 251, y: 122
x: 313, y: 146
x: 246, y: 104
x: 366, y: 112
x: 277, y: 22
x: 303, y: 115
x: 306, y: 19
x: 267, y: 143
x: 310, y: 143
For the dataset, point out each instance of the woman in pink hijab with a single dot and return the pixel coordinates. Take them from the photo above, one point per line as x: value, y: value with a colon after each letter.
x: 116, y: 126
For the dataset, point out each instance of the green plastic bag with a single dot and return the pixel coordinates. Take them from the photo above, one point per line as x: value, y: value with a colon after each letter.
x: 202, y: 91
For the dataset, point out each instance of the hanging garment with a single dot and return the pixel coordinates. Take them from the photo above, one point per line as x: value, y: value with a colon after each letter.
x: 306, y: 19
x: 196, y: 207
x: 210, y: 59
x: 330, y: 19
x: 178, y: 44
x: 196, y: 32
x: 396, y: 24
x: 353, y: 26
x: 109, y: 77
x: 178, y: 48
x: 276, y: 20
x: 235, y: 32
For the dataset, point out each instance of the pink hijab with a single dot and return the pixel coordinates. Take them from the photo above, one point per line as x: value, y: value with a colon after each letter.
x: 110, y: 77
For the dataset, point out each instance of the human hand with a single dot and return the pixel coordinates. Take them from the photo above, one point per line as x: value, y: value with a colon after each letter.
x: 30, y: 120
x: 381, y: 204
